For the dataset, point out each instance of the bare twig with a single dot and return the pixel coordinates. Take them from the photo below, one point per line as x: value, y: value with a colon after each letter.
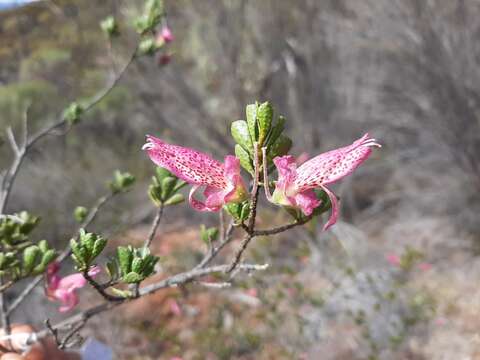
x: 173, y: 281
x: 282, y: 228
x: 155, y: 224
x: 252, y: 216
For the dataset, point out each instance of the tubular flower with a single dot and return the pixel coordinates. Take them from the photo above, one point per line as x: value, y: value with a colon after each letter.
x: 223, y: 183
x: 64, y: 289
x: 295, y: 185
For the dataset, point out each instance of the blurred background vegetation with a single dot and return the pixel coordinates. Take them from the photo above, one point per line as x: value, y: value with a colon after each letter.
x: 407, y: 71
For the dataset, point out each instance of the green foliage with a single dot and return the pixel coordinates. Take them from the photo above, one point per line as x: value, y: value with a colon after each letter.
x: 132, y: 265
x: 164, y: 188
x: 259, y: 128
x: 239, y: 211
x: 72, y: 113
x: 80, y: 213
x: 20, y: 258
x: 110, y: 26
x: 151, y: 16
x: 86, y: 249
x: 121, y: 182
x: 208, y: 235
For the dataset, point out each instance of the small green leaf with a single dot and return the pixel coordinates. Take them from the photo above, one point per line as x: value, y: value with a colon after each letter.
x: 251, y: 112
x: 80, y: 213
x: 125, y: 257
x: 147, y: 46
x: 132, y: 278
x: 175, y: 199
x: 244, y: 158
x: 245, y: 210
x: 72, y: 113
x: 137, y: 265
x: 264, y: 117
x: 31, y: 256
x: 280, y: 147
x: 98, y: 247
x: 112, y: 269
x: 121, y: 293
x: 109, y: 26
x: 168, y: 184
x: 162, y: 173
x: 241, y: 135
x: 277, y: 130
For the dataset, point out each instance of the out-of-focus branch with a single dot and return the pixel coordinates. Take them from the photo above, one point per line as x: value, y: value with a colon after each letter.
x: 78, y: 321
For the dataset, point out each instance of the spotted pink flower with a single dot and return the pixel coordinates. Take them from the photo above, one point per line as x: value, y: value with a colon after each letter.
x: 295, y: 185
x: 64, y: 289
x: 223, y: 183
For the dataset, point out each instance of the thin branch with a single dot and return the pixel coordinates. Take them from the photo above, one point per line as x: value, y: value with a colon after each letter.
x: 173, y: 281
x: 252, y: 216
x: 61, y: 121
x: 282, y: 228
x: 226, y: 239
x: 12, y: 141
x: 100, y: 289
x: 155, y: 224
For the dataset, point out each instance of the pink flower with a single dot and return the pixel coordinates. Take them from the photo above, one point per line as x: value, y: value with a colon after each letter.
x: 223, y: 183
x: 393, y: 259
x: 253, y: 292
x: 424, y: 266
x: 175, y: 308
x: 63, y: 289
x: 166, y: 34
x: 295, y: 186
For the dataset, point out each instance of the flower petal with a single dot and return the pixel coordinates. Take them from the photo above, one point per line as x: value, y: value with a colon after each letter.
x: 197, y: 204
x: 71, y: 282
x: 307, y: 201
x: 333, y: 165
x: 187, y: 164
x: 334, y: 215
x: 287, y: 171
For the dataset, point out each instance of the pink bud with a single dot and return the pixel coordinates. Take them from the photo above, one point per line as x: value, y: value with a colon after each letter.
x: 393, y: 259
x: 166, y: 34
x: 425, y: 266
x: 252, y: 292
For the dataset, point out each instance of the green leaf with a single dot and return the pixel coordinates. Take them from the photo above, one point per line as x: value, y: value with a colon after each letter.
x: 251, y: 112
x: 168, y: 184
x: 233, y: 209
x: 98, y: 247
x: 147, y: 46
x: 30, y: 257
x: 72, y: 113
x: 43, y: 245
x: 280, y: 147
x: 245, y: 210
x: 125, y: 256
x: 80, y: 213
x: 132, y: 278
x: 244, y: 158
x: 121, y: 293
x: 264, y: 117
x: 175, y: 199
x: 162, y: 173
x: 277, y: 130
x: 109, y: 26
x: 241, y: 135
x: 79, y: 252
x: 137, y: 265
x: 112, y: 269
